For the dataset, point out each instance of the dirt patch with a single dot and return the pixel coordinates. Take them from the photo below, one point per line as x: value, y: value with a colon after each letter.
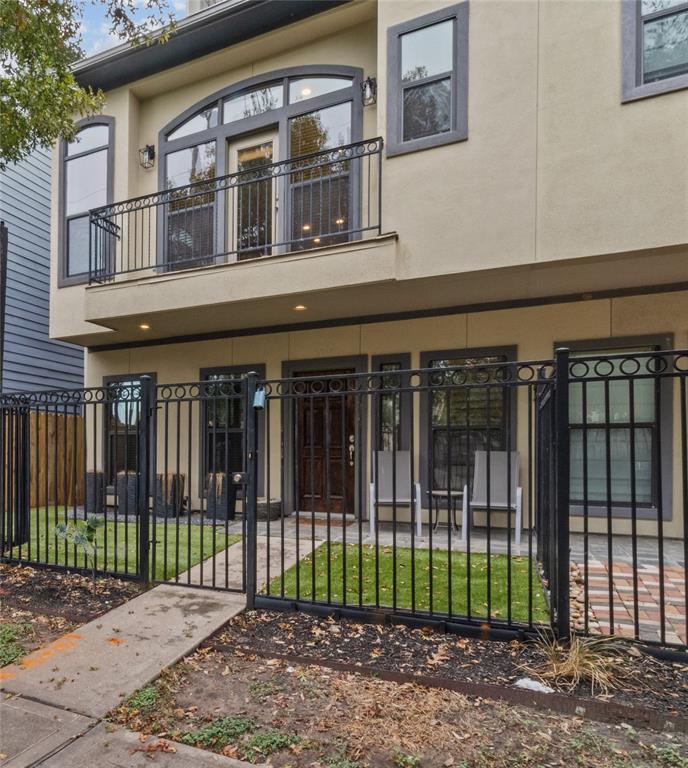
x: 642, y: 679
x: 39, y: 605
x: 299, y: 716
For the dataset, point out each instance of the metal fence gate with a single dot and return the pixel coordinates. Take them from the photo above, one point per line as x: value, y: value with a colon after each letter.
x: 170, y: 506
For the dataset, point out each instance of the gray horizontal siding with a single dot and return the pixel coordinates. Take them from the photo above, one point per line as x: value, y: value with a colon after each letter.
x: 32, y: 360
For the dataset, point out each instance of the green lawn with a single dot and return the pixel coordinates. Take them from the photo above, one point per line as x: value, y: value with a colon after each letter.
x: 121, y: 538
x: 499, y: 568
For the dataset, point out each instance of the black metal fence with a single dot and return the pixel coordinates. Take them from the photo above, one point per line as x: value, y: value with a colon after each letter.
x: 306, y: 202
x: 489, y: 497
x: 412, y: 494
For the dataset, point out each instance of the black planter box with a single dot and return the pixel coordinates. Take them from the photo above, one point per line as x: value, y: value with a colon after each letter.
x: 271, y: 510
x: 95, y: 493
x: 127, y: 492
x: 169, y: 495
x: 221, y: 497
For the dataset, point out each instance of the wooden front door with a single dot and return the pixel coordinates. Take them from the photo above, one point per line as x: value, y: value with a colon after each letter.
x: 326, y: 450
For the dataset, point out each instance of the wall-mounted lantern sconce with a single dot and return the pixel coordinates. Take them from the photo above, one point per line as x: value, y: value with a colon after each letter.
x: 147, y: 156
x: 369, y: 91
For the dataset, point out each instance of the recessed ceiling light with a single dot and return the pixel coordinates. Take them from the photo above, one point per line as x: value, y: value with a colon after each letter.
x: 144, y: 327
x: 306, y: 227
x: 316, y: 239
x: 339, y: 221
x: 306, y: 91
x: 300, y: 307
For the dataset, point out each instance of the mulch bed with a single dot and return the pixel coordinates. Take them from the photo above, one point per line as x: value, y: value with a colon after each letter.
x: 44, y: 604
x: 643, y: 681
x: 309, y: 716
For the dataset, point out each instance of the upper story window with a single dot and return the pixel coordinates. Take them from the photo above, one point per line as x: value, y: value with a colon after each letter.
x: 655, y: 47
x: 86, y: 184
x: 427, y: 99
x: 285, y: 115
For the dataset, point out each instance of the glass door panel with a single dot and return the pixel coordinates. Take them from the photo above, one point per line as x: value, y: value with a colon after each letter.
x: 253, y: 202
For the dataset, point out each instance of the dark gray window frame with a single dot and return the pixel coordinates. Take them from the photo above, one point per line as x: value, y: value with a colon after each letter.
x: 258, y: 368
x: 63, y: 278
x: 633, y: 87
x: 509, y: 352
x: 666, y: 424
x: 114, y: 379
x: 459, y: 130
x: 405, y: 405
x: 223, y: 133
x: 289, y: 369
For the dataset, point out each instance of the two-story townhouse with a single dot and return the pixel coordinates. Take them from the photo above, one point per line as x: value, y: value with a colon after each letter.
x: 481, y: 181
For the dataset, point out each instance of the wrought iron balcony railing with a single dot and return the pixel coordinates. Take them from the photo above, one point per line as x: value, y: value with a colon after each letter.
x: 306, y: 202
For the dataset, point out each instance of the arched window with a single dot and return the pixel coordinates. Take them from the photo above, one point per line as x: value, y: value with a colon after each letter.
x: 86, y: 183
x: 263, y: 120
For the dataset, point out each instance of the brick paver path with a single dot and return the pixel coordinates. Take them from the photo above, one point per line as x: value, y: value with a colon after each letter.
x: 620, y: 610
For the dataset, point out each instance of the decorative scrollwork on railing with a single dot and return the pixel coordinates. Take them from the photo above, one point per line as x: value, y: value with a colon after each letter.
x: 303, y: 164
x: 115, y: 392
x: 220, y: 389
x: 624, y: 366
x: 428, y: 379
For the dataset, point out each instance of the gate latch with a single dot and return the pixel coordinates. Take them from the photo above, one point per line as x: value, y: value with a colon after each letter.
x: 239, y: 478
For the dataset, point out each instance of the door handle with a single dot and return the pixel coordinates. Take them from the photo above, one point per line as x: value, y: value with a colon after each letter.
x: 352, y: 450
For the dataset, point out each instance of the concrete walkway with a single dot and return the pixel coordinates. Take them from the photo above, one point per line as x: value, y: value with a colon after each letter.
x: 56, y: 696
x: 89, y: 671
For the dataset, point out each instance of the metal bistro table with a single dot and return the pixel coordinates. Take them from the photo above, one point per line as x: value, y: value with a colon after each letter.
x: 456, y: 500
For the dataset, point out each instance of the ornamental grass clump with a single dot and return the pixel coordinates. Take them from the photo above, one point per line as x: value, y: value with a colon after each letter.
x: 592, y: 660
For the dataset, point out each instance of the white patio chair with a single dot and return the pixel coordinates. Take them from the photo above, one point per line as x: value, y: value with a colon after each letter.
x: 500, y: 498
x: 385, y: 492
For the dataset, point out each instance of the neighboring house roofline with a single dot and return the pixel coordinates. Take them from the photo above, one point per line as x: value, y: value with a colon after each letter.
x: 217, y: 27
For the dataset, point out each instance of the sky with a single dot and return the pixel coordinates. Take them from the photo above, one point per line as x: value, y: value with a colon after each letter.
x: 95, y: 27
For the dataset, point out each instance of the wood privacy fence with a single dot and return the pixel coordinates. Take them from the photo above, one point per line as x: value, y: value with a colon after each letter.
x: 56, y: 459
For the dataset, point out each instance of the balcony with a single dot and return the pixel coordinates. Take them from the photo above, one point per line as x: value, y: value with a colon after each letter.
x: 330, y: 198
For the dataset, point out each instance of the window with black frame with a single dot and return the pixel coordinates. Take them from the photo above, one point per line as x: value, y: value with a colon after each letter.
x: 86, y: 185
x: 468, y: 414
x: 191, y: 212
x: 320, y: 195
x: 427, y: 77
x: 122, y: 427
x: 610, y: 438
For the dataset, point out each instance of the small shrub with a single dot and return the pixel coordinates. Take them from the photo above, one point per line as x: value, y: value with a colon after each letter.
x: 671, y: 756
x: 402, y: 760
x: 260, y: 689
x: 219, y: 733
x: 144, y: 699
x: 10, y: 650
x: 264, y: 743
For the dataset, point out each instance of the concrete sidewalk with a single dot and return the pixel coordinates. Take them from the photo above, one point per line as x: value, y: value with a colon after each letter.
x: 33, y: 735
x: 89, y: 671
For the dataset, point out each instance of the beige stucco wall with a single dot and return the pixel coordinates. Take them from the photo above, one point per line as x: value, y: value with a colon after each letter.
x: 533, y: 331
x: 554, y: 168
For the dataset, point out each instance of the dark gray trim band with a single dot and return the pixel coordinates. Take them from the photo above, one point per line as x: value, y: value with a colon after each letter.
x: 199, y: 34
x: 459, y: 309
x: 459, y: 79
